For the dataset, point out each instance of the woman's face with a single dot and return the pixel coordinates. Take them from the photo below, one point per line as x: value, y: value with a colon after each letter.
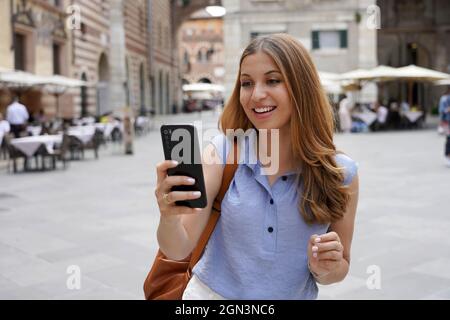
x: 264, y: 95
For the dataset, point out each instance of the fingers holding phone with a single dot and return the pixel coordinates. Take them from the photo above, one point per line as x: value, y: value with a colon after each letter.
x: 166, y: 197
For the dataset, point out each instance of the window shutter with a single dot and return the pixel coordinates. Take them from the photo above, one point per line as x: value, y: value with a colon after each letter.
x: 343, y: 36
x: 315, y: 40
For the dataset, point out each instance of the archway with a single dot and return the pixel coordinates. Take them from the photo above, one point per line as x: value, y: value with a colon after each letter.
x: 204, y: 80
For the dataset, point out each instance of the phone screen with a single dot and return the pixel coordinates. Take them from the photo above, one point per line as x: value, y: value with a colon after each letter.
x: 180, y: 143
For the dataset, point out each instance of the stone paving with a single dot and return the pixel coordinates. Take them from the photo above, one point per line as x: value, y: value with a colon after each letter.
x: 101, y: 216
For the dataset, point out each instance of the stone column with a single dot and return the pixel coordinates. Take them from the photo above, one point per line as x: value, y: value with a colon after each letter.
x: 117, y: 57
x: 233, y: 43
x: 6, y: 54
x: 367, y: 46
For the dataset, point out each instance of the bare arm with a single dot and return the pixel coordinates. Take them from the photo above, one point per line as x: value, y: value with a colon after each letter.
x: 180, y: 228
x: 330, y: 257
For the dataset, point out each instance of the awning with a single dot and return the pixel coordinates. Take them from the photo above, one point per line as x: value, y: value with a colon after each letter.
x: 26, y: 79
x: 203, y: 87
x: 442, y: 83
x: 385, y: 73
x: 415, y: 73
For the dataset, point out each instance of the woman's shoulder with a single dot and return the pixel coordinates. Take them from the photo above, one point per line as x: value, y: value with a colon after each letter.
x: 349, y: 166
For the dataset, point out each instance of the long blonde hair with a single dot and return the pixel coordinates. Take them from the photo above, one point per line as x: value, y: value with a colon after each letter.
x: 324, y: 198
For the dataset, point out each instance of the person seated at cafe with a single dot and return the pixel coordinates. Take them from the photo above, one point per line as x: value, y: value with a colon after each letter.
x: 4, y: 125
x: 17, y: 115
x: 382, y: 114
x: 394, y: 118
x: 405, y: 107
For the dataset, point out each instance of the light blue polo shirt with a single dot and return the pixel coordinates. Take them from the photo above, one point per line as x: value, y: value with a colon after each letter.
x: 258, y: 249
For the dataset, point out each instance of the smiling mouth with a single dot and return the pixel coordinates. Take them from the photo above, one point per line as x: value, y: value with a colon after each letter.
x: 264, y: 110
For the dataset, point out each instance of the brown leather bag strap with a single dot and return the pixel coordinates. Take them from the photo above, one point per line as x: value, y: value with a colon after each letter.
x: 228, y: 174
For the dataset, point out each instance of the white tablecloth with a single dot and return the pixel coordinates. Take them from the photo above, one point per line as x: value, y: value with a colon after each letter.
x: 413, y: 116
x: 367, y: 117
x: 29, y: 145
x: 34, y: 130
x: 107, y: 128
x: 84, y: 133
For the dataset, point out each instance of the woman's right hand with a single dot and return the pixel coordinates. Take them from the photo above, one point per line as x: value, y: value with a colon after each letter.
x: 164, y: 185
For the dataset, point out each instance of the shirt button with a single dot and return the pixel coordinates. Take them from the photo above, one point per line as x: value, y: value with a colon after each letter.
x: 284, y: 178
x: 271, y: 201
x: 270, y: 229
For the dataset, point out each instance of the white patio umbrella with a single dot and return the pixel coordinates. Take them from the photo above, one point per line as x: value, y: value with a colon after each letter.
x: 413, y: 73
x: 358, y: 74
x: 20, y: 79
x: 203, y: 87
x: 442, y: 82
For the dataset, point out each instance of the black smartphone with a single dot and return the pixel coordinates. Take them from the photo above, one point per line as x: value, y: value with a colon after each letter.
x: 180, y: 143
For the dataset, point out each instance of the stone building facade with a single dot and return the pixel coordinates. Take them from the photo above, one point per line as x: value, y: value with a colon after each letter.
x: 201, y: 49
x: 335, y: 32
x: 415, y: 32
x: 110, y: 50
x: 34, y: 38
x: 122, y: 48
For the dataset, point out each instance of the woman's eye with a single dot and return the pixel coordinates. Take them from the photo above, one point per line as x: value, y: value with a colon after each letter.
x: 245, y: 83
x: 273, y: 81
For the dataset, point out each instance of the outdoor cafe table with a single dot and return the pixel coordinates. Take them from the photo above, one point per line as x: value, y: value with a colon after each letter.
x: 29, y: 145
x: 367, y: 117
x: 83, y: 133
x: 413, y: 116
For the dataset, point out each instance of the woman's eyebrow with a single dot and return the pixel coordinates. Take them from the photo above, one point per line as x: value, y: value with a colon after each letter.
x: 267, y: 73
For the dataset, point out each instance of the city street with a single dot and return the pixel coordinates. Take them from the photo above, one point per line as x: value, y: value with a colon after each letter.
x: 101, y: 215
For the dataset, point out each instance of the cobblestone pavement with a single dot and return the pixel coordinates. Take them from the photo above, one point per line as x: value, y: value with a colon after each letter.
x: 100, y: 215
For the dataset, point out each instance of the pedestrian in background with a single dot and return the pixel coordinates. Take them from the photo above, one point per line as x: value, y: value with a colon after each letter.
x: 345, y: 118
x: 280, y: 234
x: 444, y: 102
x: 17, y: 116
x: 444, y: 116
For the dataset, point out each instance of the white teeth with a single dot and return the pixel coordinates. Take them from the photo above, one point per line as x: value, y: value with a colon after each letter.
x: 263, y: 110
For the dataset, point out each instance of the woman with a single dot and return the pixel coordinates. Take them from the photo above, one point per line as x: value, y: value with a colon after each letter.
x: 276, y: 238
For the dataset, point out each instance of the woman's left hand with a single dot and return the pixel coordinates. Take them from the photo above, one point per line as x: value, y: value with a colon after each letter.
x: 325, y: 254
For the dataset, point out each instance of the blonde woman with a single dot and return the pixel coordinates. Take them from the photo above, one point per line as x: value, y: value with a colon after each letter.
x: 279, y: 234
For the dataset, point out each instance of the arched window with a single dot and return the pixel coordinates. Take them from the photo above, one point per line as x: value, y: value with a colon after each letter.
x: 204, y: 80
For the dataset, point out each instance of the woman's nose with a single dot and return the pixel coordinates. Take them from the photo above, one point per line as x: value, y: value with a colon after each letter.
x: 259, y: 92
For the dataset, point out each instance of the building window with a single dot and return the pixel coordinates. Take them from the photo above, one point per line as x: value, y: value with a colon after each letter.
x: 200, y: 56
x: 329, y: 39
x: 19, y: 52
x: 186, y: 58
x: 257, y: 34
x: 56, y: 58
